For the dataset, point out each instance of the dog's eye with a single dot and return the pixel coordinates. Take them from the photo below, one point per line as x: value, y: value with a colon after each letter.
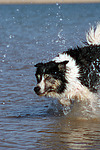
x: 38, y: 78
x: 55, y: 72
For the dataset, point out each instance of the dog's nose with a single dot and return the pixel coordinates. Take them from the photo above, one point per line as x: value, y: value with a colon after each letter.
x: 37, y: 90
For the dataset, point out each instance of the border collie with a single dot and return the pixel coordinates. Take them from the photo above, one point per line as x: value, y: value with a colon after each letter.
x: 73, y: 75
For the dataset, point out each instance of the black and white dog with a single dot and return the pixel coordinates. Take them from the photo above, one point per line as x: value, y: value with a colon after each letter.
x: 74, y: 74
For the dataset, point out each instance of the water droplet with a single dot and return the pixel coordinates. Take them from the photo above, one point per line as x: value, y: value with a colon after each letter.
x: 4, y: 55
x: 17, y: 9
x: 37, y: 42
x: 57, y: 41
x: 59, y: 7
x: 3, y: 60
x: 0, y: 70
x: 8, y: 46
x: 63, y: 41
x: 11, y: 36
x: 60, y: 19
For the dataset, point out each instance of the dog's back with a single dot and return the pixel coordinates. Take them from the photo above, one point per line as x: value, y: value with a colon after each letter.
x: 88, y: 60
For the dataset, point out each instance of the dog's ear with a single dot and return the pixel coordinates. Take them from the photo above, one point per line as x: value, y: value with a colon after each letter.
x: 62, y: 65
x: 38, y: 65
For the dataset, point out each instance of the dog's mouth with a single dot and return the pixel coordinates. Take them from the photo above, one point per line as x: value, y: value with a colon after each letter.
x: 38, y: 91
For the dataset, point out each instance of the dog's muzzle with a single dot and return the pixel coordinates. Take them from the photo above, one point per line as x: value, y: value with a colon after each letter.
x: 37, y: 90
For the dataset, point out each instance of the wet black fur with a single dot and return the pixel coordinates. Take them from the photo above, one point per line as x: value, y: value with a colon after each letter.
x: 87, y: 57
x: 57, y: 70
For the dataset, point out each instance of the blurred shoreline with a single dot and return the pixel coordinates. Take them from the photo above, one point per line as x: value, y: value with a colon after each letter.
x: 46, y: 1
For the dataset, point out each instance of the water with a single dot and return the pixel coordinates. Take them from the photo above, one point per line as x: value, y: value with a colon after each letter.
x: 31, y: 34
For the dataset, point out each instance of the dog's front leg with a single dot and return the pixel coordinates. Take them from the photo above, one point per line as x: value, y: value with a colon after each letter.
x: 66, y: 103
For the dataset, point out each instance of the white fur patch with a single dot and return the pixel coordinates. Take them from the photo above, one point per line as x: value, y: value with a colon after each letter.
x: 93, y: 36
x: 72, y: 70
x: 42, y: 85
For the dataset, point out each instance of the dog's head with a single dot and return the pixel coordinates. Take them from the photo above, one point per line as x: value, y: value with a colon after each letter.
x: 50, y: 78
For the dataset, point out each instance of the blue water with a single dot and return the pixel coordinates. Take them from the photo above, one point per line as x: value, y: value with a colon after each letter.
x: 36, y: 33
